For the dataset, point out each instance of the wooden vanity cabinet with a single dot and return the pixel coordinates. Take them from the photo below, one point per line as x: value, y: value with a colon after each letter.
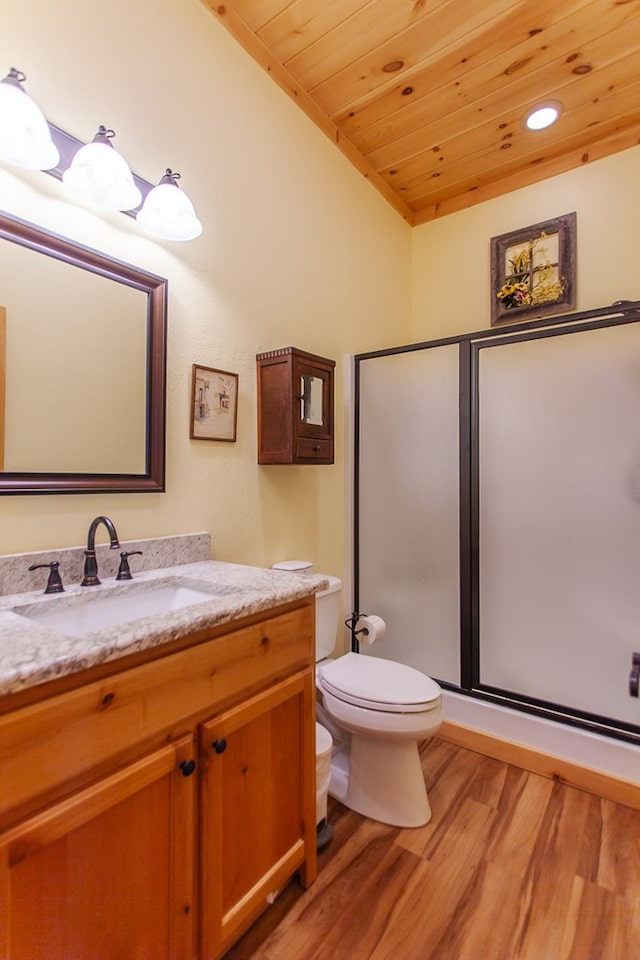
x: 107, y: 872
x: 125, y: 832
x: 295, y: 407
x: 255, y: 792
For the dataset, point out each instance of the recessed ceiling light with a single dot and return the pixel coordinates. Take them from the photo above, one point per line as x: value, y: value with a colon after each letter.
x: 543, y: 115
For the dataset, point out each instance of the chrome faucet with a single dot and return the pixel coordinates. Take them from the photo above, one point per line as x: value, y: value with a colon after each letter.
x: 90, y: 578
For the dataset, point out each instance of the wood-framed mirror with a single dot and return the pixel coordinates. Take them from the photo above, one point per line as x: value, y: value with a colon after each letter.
x: 83, y: 365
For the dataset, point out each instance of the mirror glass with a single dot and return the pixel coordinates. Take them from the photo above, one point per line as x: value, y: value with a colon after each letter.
x: 311, y: 399
x: 83, y: 368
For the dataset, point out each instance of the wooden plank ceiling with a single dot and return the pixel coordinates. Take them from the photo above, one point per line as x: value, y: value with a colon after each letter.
x: 426, y: 97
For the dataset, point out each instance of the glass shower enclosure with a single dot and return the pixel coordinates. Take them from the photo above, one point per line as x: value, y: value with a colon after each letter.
x: 497, y: 513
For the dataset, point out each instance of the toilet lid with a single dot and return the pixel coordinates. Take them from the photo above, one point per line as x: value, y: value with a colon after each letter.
x: 379, y: 684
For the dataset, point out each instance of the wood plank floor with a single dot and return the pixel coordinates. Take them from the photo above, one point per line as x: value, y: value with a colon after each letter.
x: 513, y: 866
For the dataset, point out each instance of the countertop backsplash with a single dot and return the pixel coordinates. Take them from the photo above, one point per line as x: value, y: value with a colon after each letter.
x: 157, y: 552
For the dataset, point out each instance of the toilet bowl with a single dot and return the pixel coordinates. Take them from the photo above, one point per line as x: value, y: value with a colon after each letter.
x: 383, y: 710
x: 378, y: 712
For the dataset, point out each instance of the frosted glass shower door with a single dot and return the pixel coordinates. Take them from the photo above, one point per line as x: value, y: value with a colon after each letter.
x: 408, y: 506
x: 559, y: 518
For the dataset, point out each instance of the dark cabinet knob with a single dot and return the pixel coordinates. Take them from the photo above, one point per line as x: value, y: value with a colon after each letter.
x: 187, y: 767
x: 219, y: 745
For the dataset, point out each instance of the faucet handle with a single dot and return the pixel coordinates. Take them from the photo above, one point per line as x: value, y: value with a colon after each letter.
x: 54, y: 583
x: 124, y: 573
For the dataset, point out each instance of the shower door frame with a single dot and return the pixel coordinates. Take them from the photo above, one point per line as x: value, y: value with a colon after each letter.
x: 469, y: 347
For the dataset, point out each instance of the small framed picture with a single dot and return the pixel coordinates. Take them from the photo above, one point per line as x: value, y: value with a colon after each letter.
x: 533, y: 271
x: 214, y: 404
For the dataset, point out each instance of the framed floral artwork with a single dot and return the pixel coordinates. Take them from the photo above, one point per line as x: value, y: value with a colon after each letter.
x: 533, y: 271
x: 214, y: 404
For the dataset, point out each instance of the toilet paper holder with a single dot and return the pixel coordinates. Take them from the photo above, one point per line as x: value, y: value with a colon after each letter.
x: 351, y: 622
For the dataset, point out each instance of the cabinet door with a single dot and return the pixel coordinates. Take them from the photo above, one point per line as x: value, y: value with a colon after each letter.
x: 257, y: 807
x: 108, y: 872
x: 313, y: 410
x: 313, y: 392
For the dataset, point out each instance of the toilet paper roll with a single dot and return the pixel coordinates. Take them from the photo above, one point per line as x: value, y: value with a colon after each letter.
x: 370, y: 629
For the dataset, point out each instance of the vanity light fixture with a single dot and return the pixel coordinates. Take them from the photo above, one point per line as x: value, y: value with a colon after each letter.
x: 543, y: 115
x: 101, y: 175
x: 95, y: 172
x: 168, y: 212
x: 25, y: 138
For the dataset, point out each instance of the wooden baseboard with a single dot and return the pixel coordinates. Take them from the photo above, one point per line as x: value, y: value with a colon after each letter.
x: 556, y: 768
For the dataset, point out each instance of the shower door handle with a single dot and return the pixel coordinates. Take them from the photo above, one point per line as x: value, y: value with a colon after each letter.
x: 634, y: 676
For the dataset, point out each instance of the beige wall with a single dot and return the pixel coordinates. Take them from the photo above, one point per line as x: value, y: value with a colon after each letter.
x: 451, y: 257
x: 297, y: 249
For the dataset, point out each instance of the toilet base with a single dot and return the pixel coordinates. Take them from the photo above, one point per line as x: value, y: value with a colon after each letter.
x: 366, y: 774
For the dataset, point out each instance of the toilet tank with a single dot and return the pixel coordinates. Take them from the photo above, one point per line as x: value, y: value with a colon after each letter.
x: 327, y: 606
x: 327, y: 616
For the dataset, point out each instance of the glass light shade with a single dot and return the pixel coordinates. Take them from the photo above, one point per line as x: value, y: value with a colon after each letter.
x: 544, y: 115
x: 169, y: 213
x: 25, y: 138
x: 101, y: 175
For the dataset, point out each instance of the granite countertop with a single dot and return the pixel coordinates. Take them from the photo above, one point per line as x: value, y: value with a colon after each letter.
x: 31, y: 654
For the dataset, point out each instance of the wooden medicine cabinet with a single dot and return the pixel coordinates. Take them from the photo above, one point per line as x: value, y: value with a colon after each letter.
x: 295, y: 407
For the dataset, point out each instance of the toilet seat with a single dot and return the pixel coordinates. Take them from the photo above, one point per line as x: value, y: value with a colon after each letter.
x: 378, y: 684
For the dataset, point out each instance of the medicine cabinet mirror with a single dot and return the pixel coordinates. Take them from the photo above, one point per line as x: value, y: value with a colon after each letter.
x: 311, y: 398
x: 82, y: 368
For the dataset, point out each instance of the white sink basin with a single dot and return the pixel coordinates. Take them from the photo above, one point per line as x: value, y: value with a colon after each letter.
x: 80, y: 614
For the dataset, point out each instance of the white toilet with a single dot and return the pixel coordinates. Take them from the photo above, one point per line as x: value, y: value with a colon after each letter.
x: 378, y: 712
